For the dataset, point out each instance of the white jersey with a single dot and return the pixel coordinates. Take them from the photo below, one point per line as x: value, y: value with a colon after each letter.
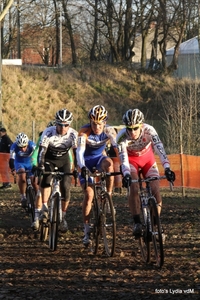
x: 57, y: 145
x: 130, y: 147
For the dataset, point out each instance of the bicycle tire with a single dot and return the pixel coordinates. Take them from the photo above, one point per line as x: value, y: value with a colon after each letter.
x: 44, y: 229
x: 108, y: 224
x: 30, y: 196
x: 156, y: 233
x: 144, y: 240
x: 54, y: 221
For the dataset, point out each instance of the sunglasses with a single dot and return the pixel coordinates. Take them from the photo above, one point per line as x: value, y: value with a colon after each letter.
x: 62, y: 125
x: 133, y: 128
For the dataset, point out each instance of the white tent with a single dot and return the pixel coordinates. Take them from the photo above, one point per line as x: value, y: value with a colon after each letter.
x: 188, y: 59
x: 188, y: 47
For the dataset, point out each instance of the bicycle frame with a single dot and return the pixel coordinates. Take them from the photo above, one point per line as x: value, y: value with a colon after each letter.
x: 152, y: 231
x: 104, y: 214
x: 55, y: 189
x: 30, y: 194
x: 55, y: 209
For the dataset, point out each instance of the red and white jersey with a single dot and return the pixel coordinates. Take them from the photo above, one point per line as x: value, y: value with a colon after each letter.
x: 129, y: 147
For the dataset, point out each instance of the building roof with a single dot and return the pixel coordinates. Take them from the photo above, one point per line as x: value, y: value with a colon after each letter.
x: 188, y: 47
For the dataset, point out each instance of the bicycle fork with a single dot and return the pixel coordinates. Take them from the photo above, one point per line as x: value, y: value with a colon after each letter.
x: 56, y: 196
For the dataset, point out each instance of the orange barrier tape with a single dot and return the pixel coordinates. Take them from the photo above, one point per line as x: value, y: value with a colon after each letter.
x: 5, y: 174
x: 186, y: 168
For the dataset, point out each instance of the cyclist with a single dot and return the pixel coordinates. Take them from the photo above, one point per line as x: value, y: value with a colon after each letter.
x: 92, y: 139
x: 20, y: 160
x: 55, y: 144
x: 38, y: 200
x: 136, y: 143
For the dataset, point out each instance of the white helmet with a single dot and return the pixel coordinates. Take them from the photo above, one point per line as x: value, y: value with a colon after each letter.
x: 98, y: 114
x: 133, y: 117
x: 63, y: 115
x: 22, y: 140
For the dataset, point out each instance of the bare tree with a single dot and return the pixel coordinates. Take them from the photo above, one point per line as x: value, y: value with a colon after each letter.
x: 182, y: 108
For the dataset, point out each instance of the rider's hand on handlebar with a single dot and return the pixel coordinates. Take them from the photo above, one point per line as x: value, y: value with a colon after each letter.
x: 13, y: 171
x: 170, y: 175
x: 75, y: 173
x: 83, y: 172
x: 126, y: 180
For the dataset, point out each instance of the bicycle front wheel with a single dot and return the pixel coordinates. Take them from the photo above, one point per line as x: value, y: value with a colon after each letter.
x: 95, y: 225
x: 145, y: 239
x: 30, y: 196
x: 108, y: 224
x: 156, y: 233
x: 54, y: 222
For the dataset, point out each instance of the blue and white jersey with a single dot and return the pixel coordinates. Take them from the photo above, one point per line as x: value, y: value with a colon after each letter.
x: 20, y: 156
x: 91, y: 145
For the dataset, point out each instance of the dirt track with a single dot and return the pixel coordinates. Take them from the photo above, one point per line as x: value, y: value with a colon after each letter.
x: 30, y: 271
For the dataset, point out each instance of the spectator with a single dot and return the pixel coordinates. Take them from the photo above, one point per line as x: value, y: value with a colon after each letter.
x: 5, y: 144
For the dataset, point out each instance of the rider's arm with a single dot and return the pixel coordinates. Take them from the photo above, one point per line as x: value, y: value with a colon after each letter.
x: 12, y: 157
x: 81, y: 150
x: 41, y: 156
x: 123, y: 156
x: 112, y: 134
x: 159, y: 149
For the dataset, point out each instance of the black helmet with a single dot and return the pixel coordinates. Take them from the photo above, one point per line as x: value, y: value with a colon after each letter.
x: 63, y: 115
x: 133, y: 117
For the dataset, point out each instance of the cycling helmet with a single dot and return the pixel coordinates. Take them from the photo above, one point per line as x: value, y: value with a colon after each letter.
x: 63, y: 115
x: 98, y: 114
x: 133, y: 117
x: 22, y: 140
x: 51, y: 123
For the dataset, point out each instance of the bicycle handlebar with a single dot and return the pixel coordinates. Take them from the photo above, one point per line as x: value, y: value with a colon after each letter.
x: 149, y: 179
x: 56, y: 173
x: 99, y: 174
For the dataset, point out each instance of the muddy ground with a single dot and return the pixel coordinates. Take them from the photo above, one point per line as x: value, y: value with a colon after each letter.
x: 29, y: 270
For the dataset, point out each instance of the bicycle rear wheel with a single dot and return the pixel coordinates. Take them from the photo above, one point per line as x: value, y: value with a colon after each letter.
x: 54, y: 221
x: 145, y: 239
x: 156, y: 232
x: 30, y: 196
x: 108, y: 224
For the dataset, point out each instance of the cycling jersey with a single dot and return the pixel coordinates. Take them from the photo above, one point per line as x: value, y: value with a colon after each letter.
x: 146, y: 143
x: 22, y: 159
x: 54, y: 146
x: 92, y: 146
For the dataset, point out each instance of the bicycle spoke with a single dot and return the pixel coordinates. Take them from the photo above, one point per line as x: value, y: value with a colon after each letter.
x: 144, y: 242
x: 156, y: 233
x: 30, y: 194
x: 53, y: 224
x: 108, y: 225
x: 95, y: 229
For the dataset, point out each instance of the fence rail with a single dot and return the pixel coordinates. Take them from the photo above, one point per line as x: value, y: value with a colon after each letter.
x: 186, y: 167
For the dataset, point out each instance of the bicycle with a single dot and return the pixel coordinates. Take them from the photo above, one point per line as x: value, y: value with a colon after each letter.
x: 55, y: 210
x: 103, y: 223
x: 151, y: 224
x: 30, y: 195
